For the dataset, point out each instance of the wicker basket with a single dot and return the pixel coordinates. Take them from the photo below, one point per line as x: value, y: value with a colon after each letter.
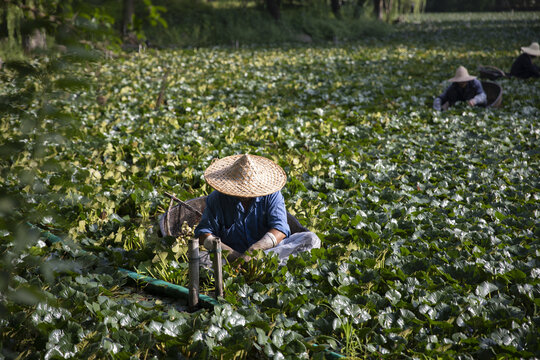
x: 493, y: 93
x: 491, y: 73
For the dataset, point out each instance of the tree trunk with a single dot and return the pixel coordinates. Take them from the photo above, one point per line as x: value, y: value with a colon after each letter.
x: 388, y: 9
x: 358, y: 9
x: 378, y: 8
x: 37, y: 40
x: 273, y: 8
x: 127, y: 16
x: 336, y: 6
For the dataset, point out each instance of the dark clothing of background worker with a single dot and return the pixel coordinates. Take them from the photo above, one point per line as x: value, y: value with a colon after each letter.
x: 464, y: 87
x: 523, y: 66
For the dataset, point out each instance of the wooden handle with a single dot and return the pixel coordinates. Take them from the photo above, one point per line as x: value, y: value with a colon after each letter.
x: 184, y: 203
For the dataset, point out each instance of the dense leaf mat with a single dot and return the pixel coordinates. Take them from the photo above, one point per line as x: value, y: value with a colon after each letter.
x: 429, y: 220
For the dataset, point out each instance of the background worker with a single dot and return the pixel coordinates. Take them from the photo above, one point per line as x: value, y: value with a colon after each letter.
x: 523, y: 66
x: 464, y: 87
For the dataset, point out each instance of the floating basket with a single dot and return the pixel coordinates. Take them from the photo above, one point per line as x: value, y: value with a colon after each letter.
x: 491, y: 73
x: 493, y: 93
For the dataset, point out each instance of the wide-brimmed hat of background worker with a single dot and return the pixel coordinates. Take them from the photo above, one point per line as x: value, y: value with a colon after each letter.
x: 462, y: 75
x: 533, y: 49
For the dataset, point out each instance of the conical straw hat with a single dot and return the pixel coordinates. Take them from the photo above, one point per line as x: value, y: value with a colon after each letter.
x: 462, y: 75
x: 245, y: 176
x: 533, y: 49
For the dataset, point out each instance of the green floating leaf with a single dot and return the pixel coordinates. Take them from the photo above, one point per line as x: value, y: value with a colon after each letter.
x: 485, y: 288
x: 71, y: 83
x: 499, y: 215
x: 393, y: 295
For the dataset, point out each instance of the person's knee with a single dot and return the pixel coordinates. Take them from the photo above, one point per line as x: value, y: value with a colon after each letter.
x: 314, y: 240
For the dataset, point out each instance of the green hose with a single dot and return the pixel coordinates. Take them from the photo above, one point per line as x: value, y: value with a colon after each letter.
x: 168, y: 289
x: 160, y: 286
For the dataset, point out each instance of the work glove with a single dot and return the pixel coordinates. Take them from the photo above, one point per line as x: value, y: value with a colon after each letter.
x: 268, y: 241
x: 210, y: 242
x: 437, y: 104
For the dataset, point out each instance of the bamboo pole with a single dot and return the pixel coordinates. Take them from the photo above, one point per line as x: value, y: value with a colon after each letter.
x: 218, y: 269
x: 167, y: 222
x: 184, y: 203
x: 193, y: 253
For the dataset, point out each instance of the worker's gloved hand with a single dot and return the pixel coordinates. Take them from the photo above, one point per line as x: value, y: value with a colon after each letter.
x: 268, y: 241
x: 210, y: 242
x: 437, y: 104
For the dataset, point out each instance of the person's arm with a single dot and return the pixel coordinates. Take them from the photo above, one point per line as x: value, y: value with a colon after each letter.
x: 278, y: 235
x: 208, y: 223
x: 535, y: 70
x: 514, y: 69
x: 208, y: 228
x: 530, y: 69
x: 437, y: 104
x: 268, y: 241
x: 442, y: 99
x: 480, y: 98
x: 209, y: 242
x: 277, y: 216
x: 277, y: 222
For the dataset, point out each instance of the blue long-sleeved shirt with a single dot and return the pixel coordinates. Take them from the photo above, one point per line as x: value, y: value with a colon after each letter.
x: 455, y: 93
x: 225, y: 217
x: 524, y: 68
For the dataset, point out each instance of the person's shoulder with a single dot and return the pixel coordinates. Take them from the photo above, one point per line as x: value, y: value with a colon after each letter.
x: 270, y: 198
x: 476, y: 82
x: 276, y: 194
x: 278, y: 197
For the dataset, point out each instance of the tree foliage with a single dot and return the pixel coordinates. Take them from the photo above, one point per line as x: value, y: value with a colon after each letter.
x: 390, y: 9
x: 38, y: 87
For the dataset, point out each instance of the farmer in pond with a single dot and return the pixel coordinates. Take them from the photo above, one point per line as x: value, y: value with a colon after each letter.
x: 247, y: 210
x: 523, y: 66
x: 464, y: 87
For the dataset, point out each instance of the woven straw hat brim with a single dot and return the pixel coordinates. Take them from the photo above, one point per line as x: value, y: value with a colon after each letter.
x: 245, y: 176
x: 462, y: 75
x: 462, y: 78
x: 532, y: 49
